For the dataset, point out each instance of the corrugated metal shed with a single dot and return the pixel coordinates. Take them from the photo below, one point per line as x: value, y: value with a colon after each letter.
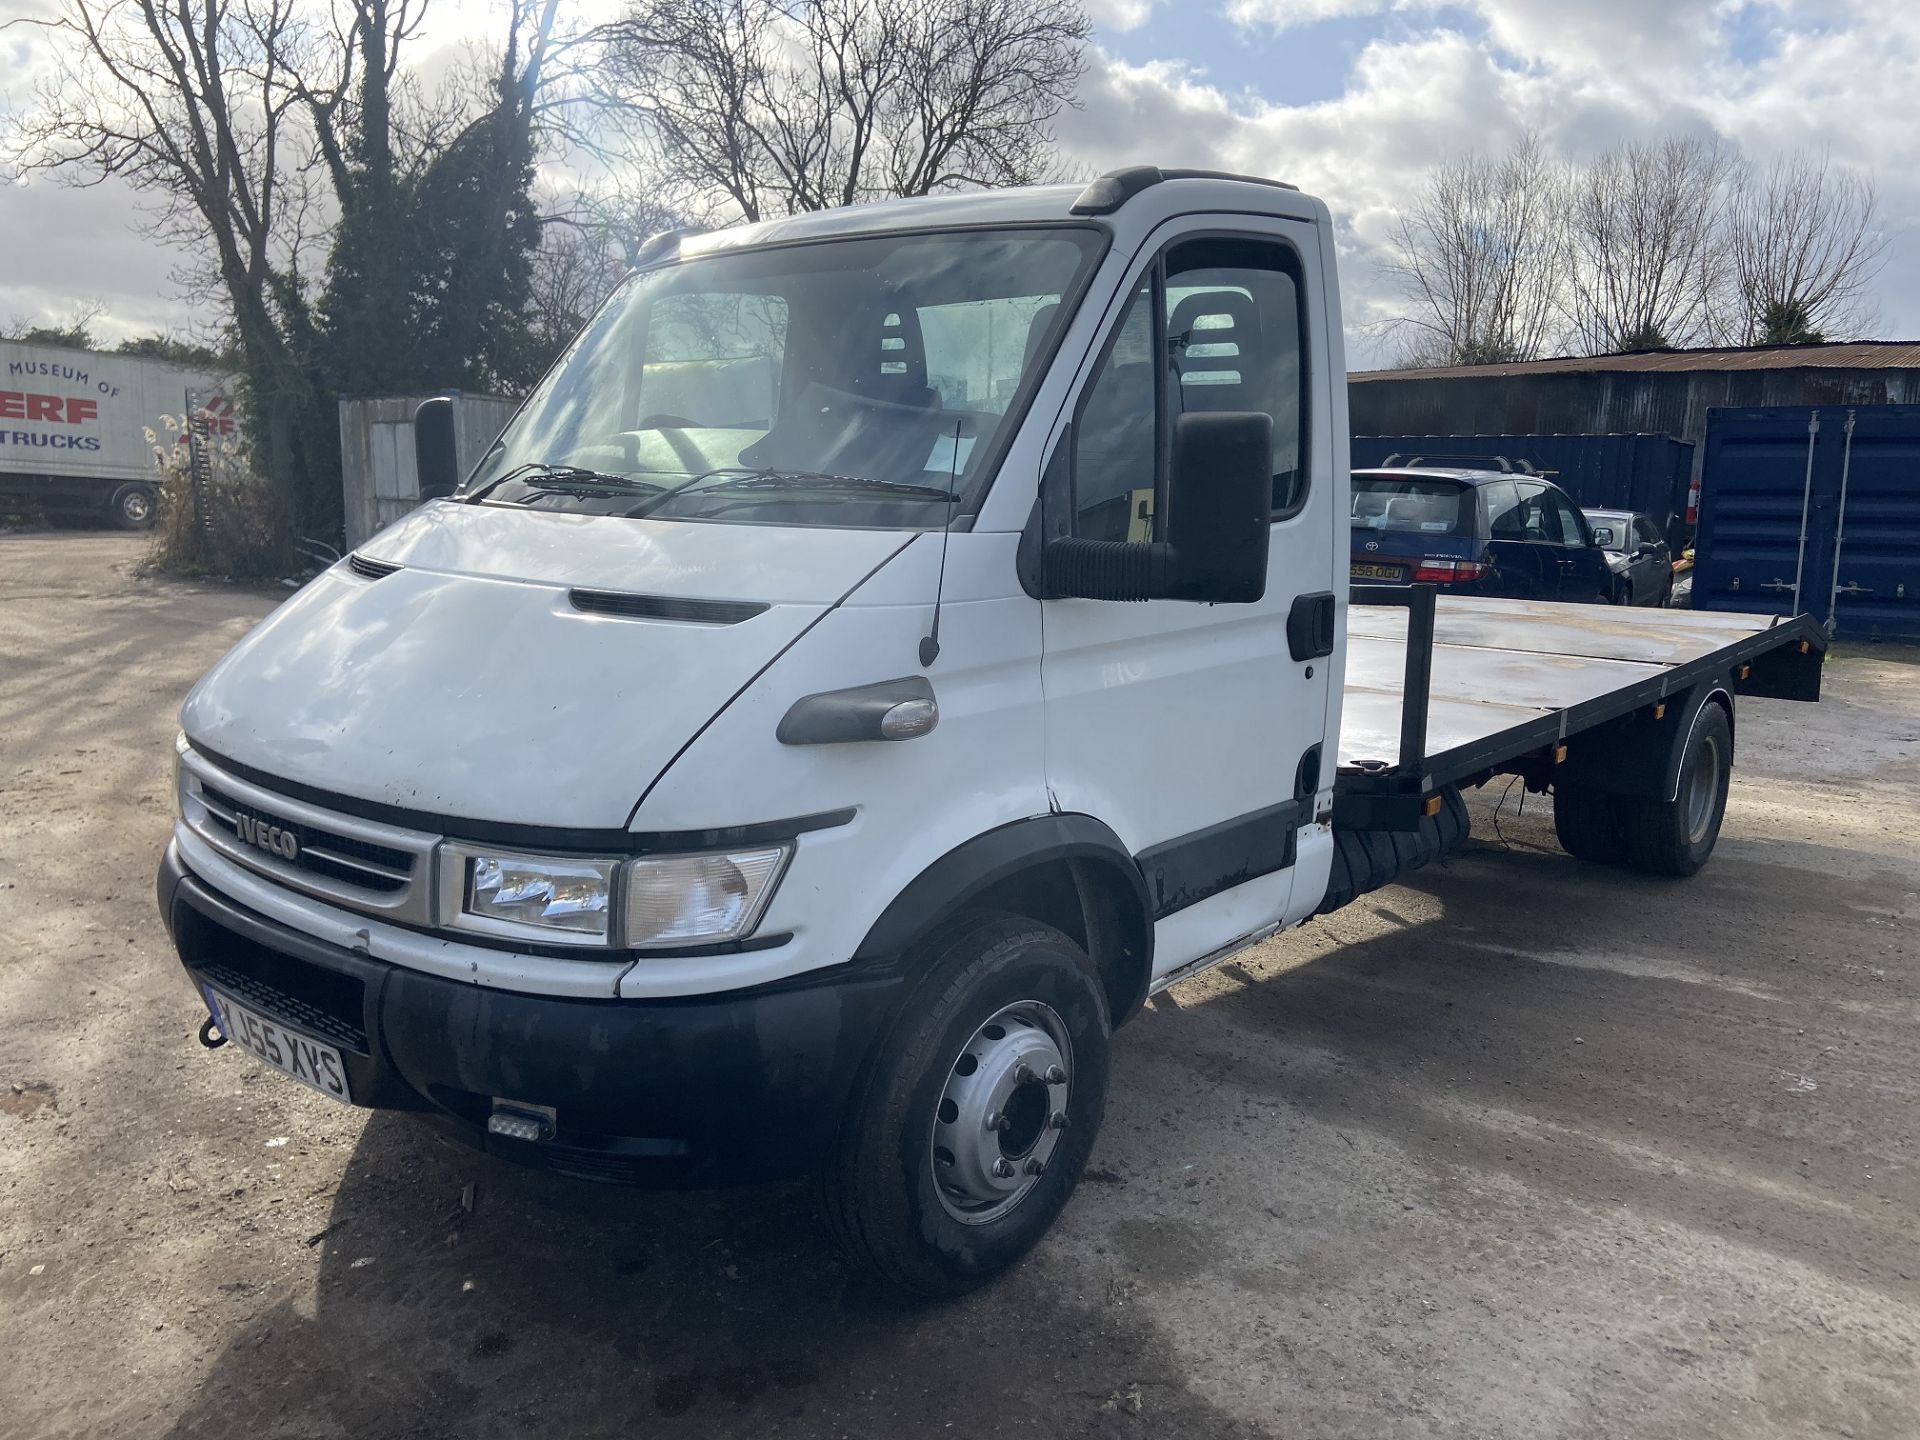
x: 377, y: 477
x: 1845, y: 355
x: 1661, y: 392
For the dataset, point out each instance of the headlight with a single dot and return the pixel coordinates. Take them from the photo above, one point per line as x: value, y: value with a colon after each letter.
x: 180, y: 773
x: 699, y: 899
x: 557, y: 899
x: 669, y: 900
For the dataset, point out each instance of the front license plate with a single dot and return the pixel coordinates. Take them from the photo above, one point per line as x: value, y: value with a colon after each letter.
x: 1378, y: 572
x: 308, y: 1061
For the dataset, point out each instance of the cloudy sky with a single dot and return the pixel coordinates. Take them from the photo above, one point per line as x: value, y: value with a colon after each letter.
x: 1351, y: 99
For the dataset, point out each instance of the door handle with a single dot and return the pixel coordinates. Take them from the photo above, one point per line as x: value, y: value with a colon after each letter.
x: 1310, y: 627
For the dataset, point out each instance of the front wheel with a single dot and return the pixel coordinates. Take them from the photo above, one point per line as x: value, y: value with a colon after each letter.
x: 979, y: 1111
x: 1675, y: 837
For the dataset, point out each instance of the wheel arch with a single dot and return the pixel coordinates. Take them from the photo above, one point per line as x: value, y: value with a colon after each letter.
x: 1066, y: 870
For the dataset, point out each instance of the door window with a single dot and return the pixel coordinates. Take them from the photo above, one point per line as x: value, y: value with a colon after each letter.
x: 1216, y: 325
x: 1646, y: 532
x: 1563, y: 522
x: 1116, y: 441
x: 1506, y: 518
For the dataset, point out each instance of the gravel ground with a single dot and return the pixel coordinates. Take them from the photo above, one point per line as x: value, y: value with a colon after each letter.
x: 1521, y: 1149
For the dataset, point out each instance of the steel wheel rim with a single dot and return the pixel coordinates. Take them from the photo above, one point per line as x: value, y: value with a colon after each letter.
x: 1703, y: 785
x: 136, y: 507
x: 1001, y: 1112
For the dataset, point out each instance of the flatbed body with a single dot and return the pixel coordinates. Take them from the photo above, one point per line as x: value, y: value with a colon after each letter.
x: 1513, y: 677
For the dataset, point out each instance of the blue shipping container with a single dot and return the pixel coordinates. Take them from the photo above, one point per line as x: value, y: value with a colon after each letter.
x: 1648, y: 473
x: 1814, y: 511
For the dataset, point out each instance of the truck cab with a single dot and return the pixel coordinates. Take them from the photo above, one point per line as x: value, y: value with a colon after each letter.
x: 889, y: 645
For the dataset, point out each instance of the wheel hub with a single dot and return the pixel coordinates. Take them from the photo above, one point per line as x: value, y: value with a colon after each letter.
x: 1001, y: 1112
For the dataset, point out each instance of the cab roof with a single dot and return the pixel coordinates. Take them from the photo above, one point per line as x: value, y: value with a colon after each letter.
x: 1150, y: 190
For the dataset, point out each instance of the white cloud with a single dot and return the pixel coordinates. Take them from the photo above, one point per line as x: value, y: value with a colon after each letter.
x: 1583, y: 76
x: 1120, y: 14
x: 1434, y: 81
x: 1286, y: 14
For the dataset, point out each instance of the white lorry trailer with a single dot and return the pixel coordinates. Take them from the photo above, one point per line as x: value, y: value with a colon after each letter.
x: 74, y: 428
x: 888, y: 647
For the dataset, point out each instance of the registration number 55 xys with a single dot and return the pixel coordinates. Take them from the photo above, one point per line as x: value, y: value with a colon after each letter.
x: 291, y: 1053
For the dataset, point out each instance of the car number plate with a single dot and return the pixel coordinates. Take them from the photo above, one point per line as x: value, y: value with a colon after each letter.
x: 1377, y: 572
x: 308, y: 1061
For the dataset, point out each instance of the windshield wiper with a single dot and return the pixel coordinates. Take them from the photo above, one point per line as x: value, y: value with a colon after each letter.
x: 823, y: 481
x: 564, y: 480
x: 746, y: 476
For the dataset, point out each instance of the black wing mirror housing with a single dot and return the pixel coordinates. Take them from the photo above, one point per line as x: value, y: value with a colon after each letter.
x: 1219, y: 523
x: 436, y: 459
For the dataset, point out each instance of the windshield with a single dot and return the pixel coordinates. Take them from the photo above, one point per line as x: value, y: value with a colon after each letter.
x: 859, y: 382
x: 1404, y: 502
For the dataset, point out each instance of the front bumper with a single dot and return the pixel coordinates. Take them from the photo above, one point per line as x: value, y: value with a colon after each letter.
x: 744, y: 1087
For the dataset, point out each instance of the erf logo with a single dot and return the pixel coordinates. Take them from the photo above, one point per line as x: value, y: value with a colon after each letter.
x: 60, y: 409
x: 219, y: 413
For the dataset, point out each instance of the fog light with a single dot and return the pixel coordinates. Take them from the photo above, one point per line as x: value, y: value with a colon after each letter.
x: 521, y: 1122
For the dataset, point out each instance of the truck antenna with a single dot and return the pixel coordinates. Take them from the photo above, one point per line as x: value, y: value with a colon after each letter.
x: 930, y: 643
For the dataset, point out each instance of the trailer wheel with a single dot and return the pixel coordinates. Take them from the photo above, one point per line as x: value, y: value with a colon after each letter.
x: 132, y: 507
x: 978, y: 1111
x: 1675, y: 837
x: 1589, y: 824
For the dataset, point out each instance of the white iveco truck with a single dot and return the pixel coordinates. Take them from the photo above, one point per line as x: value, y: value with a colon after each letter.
x: 887, y: 648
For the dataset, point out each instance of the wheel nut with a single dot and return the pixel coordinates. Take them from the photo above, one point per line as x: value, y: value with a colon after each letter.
x: 1034, y: 1167
x: 1056, y: 1076
x: 1023, y: 1075
x: 1003, y: 1168
x: 1057, y: 1120
x: 997, y: 1121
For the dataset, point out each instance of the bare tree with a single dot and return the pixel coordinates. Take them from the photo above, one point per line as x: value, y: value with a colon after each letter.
x: 1805, y: 245
x: 1480, y: 255
x: 770, y: 107
x: 199, y: 105
x: 1648, y: 259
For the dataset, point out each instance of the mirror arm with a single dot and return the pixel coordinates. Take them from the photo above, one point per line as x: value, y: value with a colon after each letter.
x: 1109, y: 569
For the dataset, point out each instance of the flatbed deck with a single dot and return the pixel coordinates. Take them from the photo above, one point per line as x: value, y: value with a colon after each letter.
x: 1512, y: 676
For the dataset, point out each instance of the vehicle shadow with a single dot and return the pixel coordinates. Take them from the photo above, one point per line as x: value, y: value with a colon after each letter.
x: 582, y: 1309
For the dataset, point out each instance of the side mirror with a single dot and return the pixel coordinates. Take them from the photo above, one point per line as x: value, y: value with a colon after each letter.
x: 1219, y: 521
x: 436, y: 460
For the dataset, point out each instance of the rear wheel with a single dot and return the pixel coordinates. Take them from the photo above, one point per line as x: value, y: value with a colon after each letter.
x: 979, y: 1112
x: 1675, y: 837
x: 132, y: 507
x: 1589, y: 824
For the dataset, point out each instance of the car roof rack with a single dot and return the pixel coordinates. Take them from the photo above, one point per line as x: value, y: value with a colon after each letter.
x: 1504, y: 464
x: 1113, y: 189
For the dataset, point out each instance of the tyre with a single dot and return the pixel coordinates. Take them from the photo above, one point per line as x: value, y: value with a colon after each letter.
x: 1675, y: 837
x: 1588, y: 824
x: 132, y: 507
x: 978, y: 1111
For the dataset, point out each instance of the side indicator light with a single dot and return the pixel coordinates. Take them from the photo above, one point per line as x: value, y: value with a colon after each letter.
x: 1430, y: 806
x: 1559, y: 754
x: 1660, y: 710
x: 1805, y: 646
x: 1745, y: 671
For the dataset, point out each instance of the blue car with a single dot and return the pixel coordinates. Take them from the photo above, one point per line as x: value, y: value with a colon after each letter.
x: 1475, y: 532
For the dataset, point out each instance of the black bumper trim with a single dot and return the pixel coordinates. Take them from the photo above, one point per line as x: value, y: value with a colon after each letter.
x: 733, y: 1088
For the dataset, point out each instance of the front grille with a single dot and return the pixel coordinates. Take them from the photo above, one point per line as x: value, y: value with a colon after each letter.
x: 317, y: 1001
x: 346, y: 860
x: 321, y: 852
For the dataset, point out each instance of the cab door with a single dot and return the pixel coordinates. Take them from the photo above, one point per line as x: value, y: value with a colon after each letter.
x: 1192, y: 729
